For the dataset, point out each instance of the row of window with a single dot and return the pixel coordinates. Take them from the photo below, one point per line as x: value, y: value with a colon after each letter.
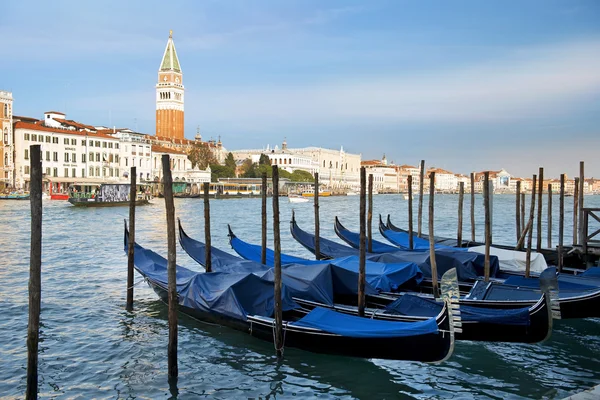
x: 73, y: 157
x: 67, y: 141
x: 337, y: 165
x: 99, y: 172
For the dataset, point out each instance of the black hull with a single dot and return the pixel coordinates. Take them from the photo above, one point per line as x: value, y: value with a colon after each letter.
x: 106, y: 203
x: 425, y: 348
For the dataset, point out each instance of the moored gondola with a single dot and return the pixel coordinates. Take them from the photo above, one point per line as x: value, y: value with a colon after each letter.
x: 244, y: 301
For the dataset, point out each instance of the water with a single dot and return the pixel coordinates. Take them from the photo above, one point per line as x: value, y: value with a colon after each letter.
x: 90, y: 347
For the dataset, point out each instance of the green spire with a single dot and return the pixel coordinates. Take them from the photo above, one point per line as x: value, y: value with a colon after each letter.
x: 170, y: 60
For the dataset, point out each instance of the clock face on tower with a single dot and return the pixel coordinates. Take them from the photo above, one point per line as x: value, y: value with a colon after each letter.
x: 177, y: 80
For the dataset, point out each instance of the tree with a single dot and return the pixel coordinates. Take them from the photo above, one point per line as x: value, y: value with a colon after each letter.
x: 302, y: 176
x: 249, y: 169
x: 221, y: 171
x: 264, y: 160
x: 230, y: 161
x: 201, y: 155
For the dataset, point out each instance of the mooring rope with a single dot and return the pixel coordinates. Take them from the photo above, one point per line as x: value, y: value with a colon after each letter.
x: 138, y: 282
x: 275, y: 339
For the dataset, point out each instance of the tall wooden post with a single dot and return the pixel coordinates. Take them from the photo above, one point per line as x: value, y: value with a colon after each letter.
x: 530, y: 227
x: 362, y: 245
x: 549, y: 216
x: 488, y: 231
x: 35, y: 271
x: 561, y: 222
x: 576, y: 195
x: 434, y: 275
x: 370, y: 216
x: 539, y: 211
x: 263, y: 252
x: 582, y: 226
x: 523, y: 202
x: 461, y: 195
x: 410, y: 213
x: 317, y: 221
x: 518, y: 210
x: 277, y: 265
x: 131, y: 244
x: 472, y: 207
x: 207, y: 240
x: 421, y: 179
x: 171, y: 265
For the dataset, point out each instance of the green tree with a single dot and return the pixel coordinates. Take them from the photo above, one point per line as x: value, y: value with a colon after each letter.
x: 201, y: 155
x: 230, y: 162
x: 264, y: 160
x: 249, y: 169
x: 221, y: 171
x: 302, y: 176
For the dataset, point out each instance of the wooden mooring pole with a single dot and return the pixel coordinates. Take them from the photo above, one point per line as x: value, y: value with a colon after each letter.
x: 472, y: 207
x: 530, y: 225
x: 35, y: 271
x: 362, y: 244
x: 317, y: 221
x: 131, y: 244
x: 461, y: 195
x: 370, y: 216
x: 549, y: 216
x: 523, y: 204
x: 410, y: 213
x: 488, y: 230
x: 263, y: 212
x: 582, y: 226
x: 575, y: 211
x: 420, y: 212
x: 208, y: 246
x: 561, y: 222
x: 434, y: 275
x: 171, y: 265
x: 539, y: 210
x: 277, y: 266
x: 518, y: 210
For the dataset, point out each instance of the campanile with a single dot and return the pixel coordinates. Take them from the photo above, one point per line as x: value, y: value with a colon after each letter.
x: 169, y: 95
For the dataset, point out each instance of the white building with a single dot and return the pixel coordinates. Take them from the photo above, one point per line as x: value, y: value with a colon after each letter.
x: 70, y: 152
x: 136, y: 151
x: 6, y: 140
x: 385, y: 177
x: 445, y: 181
x: 181, y: 166
x: 337, y: 169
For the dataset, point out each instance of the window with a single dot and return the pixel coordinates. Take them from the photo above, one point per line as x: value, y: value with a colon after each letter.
x: 34, y: 138
x: 55, y: 140
x: 97, y: 143
x: 323, y: 163
x: 74, y: 157
x: 116, y: 145
x: 74, y: 142
x: 5, y: 135
x: 48, y: 139
x: 110, y: 158
x: 98, y: 157
x: 104, y: 172
x: 47, y: 156
x: 126, y: 162
x: 55, y: 156
x: 48, y: 171
x: 66, y: 157
x: 55, y: 172
x: 104, y: 144
x: 116, y: 172
x: 66, y: 141
x: 110, y: 171
x: 91, y: 157
x: 110, y: 145
x: 83, y: 142
x: 26, y: 136
x: 140, y: 162
x: 97, y: 171
x: 27, y: 170
x: 116, y: 158
x: 91, y: 171
x: 73, y: 173
x: 83, y: 157
x: 27, y: 154
x: 66, y: 172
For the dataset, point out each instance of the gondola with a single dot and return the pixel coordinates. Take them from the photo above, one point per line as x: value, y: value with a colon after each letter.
x: 245, y: 302
x: 575, y: 300
x: 526, y: 325
x: 570, y: 259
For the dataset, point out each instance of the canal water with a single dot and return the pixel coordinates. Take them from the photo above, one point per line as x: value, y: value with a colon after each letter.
x: 90, y: 347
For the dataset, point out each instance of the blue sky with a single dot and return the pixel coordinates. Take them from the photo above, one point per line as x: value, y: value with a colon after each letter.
x: 465, y: 85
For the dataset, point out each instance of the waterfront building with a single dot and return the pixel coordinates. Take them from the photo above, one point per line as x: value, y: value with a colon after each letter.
x: 6, y: 141
x: 385, y: 177
x: 170, y: 95
x: 135, y: 151
x: 445, y: 181
x: 181, y: 166
x: 466, y: 180
x: 70, y: 151
x: 403, y: 173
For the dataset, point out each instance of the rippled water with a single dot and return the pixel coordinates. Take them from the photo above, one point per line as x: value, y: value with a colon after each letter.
x: 92, y: 348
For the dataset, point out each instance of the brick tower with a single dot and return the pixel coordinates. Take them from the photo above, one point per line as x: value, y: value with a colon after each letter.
x: 169, y: 95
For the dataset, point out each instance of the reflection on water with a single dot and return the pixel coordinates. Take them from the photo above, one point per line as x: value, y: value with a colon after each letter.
x: 91, y: 347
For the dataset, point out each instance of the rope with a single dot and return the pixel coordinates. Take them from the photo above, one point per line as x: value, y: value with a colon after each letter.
x: 135, y: 284
x: 275, y: 339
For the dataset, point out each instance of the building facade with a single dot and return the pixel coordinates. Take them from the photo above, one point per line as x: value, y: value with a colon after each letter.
x: 7, y: 141
x: 170, y: 95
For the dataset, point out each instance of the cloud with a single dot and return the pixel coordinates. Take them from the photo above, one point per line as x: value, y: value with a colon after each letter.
x: 527, y: 82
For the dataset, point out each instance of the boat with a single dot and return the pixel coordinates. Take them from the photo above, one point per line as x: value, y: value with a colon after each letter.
x: 19, y: 195
x: 294, y: 198
x: 526, y: 325
x: 105, y: 194
x: 245, y: 301
x: 311, y: 193
x: 405, y: 196
x: 576, y: 300
x: 351, y: 193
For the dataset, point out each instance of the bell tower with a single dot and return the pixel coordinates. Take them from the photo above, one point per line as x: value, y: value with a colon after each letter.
x: 169, y: 95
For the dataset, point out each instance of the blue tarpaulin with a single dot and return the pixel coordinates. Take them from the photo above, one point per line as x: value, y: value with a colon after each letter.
x: 565, y: 283
x: 418, y: 306
x: 401, y: 239
x: 353, y: 326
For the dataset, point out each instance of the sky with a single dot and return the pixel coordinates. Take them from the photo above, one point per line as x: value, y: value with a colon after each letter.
x: 464, y: 85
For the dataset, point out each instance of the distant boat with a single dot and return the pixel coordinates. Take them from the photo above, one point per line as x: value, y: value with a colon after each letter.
x: 311, y: 193
x: 294, y: 198
x: 105, y: 195
x: 351, y: 193
x: 15, y: 196
x: 405, y: 195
